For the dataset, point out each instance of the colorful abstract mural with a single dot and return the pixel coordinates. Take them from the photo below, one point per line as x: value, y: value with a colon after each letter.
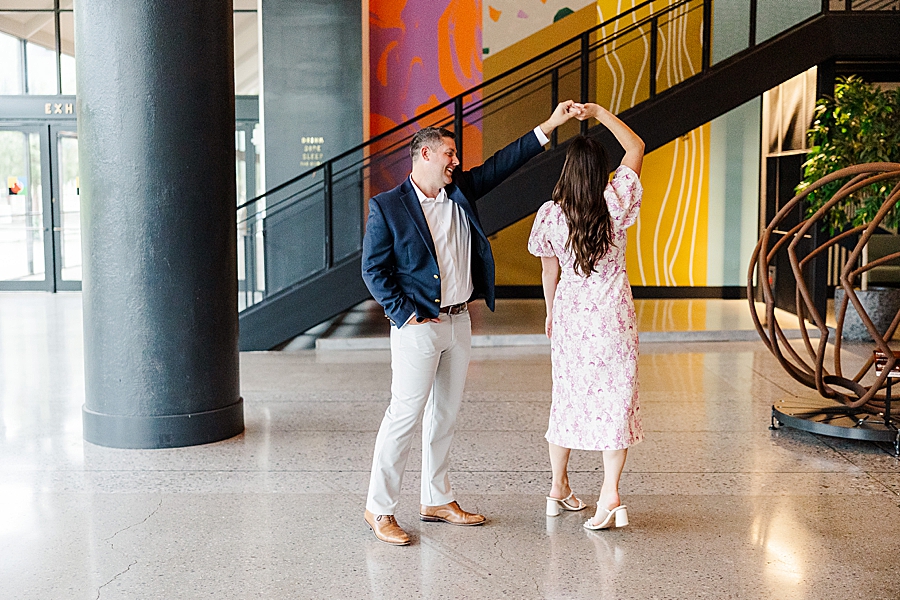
x: 507, y: 22
x: 421, y: 53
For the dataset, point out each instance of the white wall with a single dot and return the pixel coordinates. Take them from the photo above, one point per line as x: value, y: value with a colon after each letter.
x: 733, y: 217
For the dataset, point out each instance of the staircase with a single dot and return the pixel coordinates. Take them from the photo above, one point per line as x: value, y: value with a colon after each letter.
x: 674, y: 88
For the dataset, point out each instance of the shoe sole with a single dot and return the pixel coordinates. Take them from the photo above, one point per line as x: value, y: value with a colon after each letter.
x: 372, y: 529
x: 428, y: 519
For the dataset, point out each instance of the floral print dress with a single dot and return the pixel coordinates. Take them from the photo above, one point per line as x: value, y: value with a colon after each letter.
x: 594, y: 343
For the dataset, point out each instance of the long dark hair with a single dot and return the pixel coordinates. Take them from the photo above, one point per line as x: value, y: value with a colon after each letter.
x: 579, y: 193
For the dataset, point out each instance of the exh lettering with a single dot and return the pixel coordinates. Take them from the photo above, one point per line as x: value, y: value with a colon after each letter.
x: 52, y: 108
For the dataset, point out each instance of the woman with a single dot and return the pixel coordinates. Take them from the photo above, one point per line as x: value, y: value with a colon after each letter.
x: 580, y: 237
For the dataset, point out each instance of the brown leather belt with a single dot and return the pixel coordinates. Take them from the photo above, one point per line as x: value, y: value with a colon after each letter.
x: 455, y: 309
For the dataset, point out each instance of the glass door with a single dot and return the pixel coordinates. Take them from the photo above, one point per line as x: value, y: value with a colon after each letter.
x: 24, y: 218
x: 40, y: 208
x: 66, y: 203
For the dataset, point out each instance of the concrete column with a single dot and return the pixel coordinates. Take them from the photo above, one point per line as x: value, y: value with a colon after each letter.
x: 156, y: 149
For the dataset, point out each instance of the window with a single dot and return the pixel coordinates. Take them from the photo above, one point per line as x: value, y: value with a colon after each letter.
x: 67, y: 56
x: 28, y: 49
x: 246, y: 53
x: 11, y: 76
x: 40, y: 68
x: 37, y: 48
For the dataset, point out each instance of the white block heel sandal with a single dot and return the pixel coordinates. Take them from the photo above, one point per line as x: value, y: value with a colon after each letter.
x: 618, y: 515
x: 556, y: 505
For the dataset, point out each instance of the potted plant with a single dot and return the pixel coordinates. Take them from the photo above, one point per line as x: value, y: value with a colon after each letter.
x: 861, y: 124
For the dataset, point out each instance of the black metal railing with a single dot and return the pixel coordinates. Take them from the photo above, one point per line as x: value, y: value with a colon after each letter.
x: 314, y: 222
x: 860, y: 5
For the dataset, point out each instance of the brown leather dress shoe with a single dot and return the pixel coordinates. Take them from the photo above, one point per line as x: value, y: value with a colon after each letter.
x: 386, y: 529
x: 450, y: 513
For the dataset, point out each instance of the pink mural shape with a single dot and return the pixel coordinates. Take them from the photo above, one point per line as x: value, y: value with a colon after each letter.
x: 421, y: 53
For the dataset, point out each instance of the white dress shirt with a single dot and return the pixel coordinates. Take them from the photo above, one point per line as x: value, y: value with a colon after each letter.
x: 453, y: 241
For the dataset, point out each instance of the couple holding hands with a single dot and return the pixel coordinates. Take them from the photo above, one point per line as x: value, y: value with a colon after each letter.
x: 425, y: 256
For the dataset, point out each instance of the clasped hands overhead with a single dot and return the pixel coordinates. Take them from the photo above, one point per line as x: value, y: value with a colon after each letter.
x: 570, y: 109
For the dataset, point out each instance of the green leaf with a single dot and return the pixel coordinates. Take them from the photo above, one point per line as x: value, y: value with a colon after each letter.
x: 860, y: 124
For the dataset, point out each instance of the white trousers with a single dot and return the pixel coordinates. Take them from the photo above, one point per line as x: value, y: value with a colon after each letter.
x: 429, y: 364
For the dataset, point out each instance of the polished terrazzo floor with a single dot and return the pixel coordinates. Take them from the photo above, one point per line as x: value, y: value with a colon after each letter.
x: 720, y: 507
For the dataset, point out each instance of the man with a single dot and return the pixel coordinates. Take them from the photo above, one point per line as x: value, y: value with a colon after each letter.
x: 425, y: 256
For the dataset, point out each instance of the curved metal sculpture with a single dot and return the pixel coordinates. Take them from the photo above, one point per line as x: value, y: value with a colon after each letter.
x: 836, y: 384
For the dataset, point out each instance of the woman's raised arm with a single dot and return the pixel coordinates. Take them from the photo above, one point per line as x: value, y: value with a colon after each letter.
x: 630, y: 141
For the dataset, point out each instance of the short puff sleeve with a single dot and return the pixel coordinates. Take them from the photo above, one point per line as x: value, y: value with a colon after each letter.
x: 539, y: 240
x: 623, y: 196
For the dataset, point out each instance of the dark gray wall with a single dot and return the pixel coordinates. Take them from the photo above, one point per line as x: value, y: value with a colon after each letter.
x: 312, y: 88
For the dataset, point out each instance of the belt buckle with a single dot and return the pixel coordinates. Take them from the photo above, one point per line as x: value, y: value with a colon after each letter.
x: 458, y: 308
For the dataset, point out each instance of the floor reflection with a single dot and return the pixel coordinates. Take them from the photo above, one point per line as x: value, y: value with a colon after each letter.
x: 724, y: 508
x: 381, y: 566
x: 610, y: 557
x: 784, y: 538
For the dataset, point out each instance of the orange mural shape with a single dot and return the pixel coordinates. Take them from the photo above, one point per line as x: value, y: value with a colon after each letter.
x: 433, y: 101
x: 380, y: 123
x: 472, y: 135
x: 459, y: 47
x: 494, y: 13
x: 381, y: 71
x: 387, y: 15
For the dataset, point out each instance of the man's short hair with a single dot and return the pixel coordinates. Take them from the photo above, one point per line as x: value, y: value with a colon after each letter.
x: 428, y: 136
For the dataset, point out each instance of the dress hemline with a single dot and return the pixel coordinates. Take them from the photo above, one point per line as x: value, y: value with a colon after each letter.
x: 546, y: 437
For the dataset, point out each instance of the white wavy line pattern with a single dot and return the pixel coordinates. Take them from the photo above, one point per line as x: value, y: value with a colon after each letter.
x: 624, y: 69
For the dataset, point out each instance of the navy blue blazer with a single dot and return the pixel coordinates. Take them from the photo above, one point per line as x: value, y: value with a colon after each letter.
x: 399, y: 264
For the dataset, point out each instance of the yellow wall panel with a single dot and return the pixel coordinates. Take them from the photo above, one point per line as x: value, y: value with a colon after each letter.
x: 623, y: 70
x: 667, y: 245
x: 623, y: 67
x: 548, y: 37
x: 515, y: 266
x: 530, y: 105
